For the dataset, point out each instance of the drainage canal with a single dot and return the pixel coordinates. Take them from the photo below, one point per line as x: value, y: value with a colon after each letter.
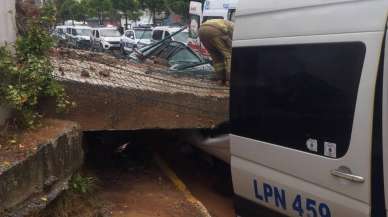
x: 147, y: 173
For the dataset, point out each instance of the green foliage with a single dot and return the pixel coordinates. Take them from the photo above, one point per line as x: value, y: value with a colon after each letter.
x: 27, y: 76
x: 82, y: 185
x: 153, y: 5
x: 180, y: 7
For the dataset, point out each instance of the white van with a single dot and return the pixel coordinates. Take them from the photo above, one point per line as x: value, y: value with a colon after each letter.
x: 106, y: 38
x: 219, y: 9
x: 79, y: 36
x: 309, y: 108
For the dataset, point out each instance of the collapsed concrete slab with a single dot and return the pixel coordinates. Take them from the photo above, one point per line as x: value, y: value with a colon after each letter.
x: 113, y: 94
x: 36, y: 168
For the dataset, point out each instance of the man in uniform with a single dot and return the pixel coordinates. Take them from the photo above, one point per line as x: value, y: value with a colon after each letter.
x: 216, y: 35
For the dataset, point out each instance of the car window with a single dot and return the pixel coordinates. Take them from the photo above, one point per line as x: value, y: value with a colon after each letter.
x: 129, y: 34
x: 166, y: 34
x: 97, y: 34
x: 182, y: 37
x: 184, y: 55
x: 297, y: 96
x: 157, y: 35
x: 83, y: 32
x: 143, y: 34
x: 110, y: 33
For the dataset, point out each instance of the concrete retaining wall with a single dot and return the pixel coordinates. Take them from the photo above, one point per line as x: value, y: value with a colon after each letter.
x: 31, y: 183
x: 122, y: 109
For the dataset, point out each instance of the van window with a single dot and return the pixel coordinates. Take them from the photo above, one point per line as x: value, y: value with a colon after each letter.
x: 97, y: 34
x: 289, y: 95
x: 157, y: 35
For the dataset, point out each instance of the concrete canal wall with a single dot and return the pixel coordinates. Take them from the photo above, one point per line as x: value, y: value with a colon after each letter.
x: 36, y: 169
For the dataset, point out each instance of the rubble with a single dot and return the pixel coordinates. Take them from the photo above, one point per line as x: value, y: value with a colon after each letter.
x: 84, y: 73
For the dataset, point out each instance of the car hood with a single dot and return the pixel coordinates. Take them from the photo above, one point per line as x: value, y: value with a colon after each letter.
x: 112, y: 39
x: 84, y: 37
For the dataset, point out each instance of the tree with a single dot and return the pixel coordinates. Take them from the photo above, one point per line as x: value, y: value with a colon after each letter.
x: 180, y: 7
x: 68, y: 9
x: 83, y: 11
x: 154, y: 6
x: 101, y: 8
x: 129, y: 8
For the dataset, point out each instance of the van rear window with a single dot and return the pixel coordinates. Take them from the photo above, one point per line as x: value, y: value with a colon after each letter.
x: 291, y: 94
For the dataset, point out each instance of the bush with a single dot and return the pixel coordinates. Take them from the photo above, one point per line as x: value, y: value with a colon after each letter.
x: 82, y: 185
x: 27, y: 76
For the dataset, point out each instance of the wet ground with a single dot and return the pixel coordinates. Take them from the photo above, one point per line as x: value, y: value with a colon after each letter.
x: 132, y: 184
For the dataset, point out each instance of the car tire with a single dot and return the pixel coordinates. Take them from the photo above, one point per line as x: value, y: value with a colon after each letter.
x: 123, y: 52
x: 100, y: 48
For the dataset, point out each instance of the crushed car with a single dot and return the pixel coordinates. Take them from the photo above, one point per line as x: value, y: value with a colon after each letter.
x: 180, y: 59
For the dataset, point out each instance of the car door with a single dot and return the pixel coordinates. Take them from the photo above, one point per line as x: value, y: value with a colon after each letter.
x: 302, y: 107
x: 98, y: 39
x: 92, y: 39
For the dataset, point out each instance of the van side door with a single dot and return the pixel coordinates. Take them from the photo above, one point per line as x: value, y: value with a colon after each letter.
x: 303, y: 108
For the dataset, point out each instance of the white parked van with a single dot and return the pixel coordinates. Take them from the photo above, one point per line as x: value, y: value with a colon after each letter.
x: 309, y: 108
x: 106, y: 38
x: 79, y: 36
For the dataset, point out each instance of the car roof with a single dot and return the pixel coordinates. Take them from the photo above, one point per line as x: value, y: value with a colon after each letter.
x: 170, y: 28
x: 80, y: 27
x: 101, y: 28
x: 141, y: 28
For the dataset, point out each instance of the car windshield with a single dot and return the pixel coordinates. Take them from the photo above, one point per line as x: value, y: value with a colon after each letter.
x: 83, y: 32
x: 182, y: 37
x: 110, y: 33
x: 143, y: 34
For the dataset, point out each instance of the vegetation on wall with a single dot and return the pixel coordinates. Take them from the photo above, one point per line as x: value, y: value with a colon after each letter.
x: 27, y: 74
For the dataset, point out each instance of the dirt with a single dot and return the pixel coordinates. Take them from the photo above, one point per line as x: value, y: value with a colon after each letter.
x: 208, y: 179
x: 18, y: 145
x: 143, y: 194
x: 130, y: 192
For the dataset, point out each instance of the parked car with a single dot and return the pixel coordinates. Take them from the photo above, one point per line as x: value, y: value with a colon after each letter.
x: 106, y: 38
x: 79, y: 36
x: 135, y: 38
x: 161, y: 32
